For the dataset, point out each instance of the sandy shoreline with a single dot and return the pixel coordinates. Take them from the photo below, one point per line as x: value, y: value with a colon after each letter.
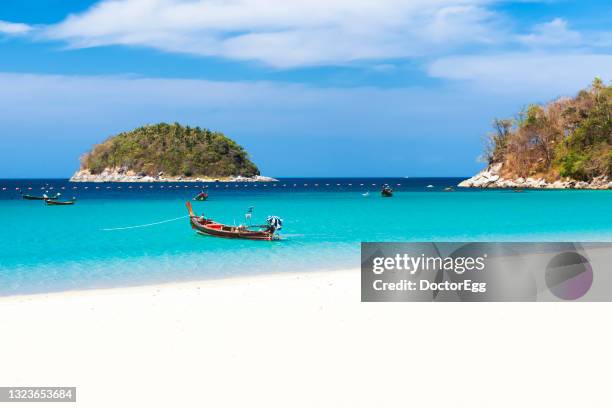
x: 300, y: 340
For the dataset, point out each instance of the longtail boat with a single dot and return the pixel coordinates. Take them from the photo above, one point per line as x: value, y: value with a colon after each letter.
x: 386, y: 191
x: 55, y: 202
x: 202, y: 196
x: 43, y: 197
x: 207, y: 226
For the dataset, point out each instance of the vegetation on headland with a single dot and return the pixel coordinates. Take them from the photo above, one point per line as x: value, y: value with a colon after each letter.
x: 171, y: 150
x: 569, y: 137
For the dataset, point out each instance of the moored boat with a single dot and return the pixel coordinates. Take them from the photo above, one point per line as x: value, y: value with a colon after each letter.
x: 386, y: 191
x: 202, y: 196
x: 43, y: 197
x: 207, y: 226
x: 55, y: 202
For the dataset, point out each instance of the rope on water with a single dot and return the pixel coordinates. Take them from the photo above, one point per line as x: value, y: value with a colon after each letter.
x: 144, y: 225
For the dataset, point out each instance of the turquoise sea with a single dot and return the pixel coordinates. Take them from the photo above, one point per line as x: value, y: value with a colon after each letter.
x: 44, y: 248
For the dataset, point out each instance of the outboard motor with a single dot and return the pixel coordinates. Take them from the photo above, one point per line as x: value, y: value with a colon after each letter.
x: 274, y: 223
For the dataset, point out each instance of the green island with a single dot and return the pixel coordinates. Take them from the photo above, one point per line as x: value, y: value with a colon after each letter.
x: 167, y: 152
x: 566, y: 143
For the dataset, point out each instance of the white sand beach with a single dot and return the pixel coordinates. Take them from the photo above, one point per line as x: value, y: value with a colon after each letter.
x: 302, y: 340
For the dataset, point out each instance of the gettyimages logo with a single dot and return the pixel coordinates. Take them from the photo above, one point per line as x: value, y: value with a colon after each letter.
x: 413, y: 264
x: 486, y: 272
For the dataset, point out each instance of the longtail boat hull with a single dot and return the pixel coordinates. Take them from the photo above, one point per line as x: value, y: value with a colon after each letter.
x: 200, y: 197
x: 204, y: 226
x: 31, y: 197
x: 53, y: 202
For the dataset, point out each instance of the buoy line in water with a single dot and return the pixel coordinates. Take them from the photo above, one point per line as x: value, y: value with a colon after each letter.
x: 161, y: 187
x: 144, y: 225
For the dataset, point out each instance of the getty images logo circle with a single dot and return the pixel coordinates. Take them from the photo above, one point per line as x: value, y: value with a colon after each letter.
x: 569, y: 275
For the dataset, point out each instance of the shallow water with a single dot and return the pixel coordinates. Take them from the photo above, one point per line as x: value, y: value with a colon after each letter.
x: 62, y: 248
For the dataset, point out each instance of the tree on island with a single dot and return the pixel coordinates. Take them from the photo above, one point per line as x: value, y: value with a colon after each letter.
x: 172, y: 150
x: 569, y: 137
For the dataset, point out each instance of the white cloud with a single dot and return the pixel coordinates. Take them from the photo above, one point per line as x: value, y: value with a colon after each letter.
x: 543, y: 74
x: 7, y: 27
x: 553, y: 33
x: 283, y: 34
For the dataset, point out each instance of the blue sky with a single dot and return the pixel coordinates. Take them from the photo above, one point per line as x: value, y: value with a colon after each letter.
x: 310, y: 88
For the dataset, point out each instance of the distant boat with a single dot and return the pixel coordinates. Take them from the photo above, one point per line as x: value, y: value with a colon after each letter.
x: 207, y: 226
x: 366, y: 194
x: 43, y: 197
x: 386, y: 191
x: 430, y: 186
x: 55, y: 202
x: 202, y: 196
x: 449, y: 189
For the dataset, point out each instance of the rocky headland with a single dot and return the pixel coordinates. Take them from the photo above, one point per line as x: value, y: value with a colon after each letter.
x: 564, y: 144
